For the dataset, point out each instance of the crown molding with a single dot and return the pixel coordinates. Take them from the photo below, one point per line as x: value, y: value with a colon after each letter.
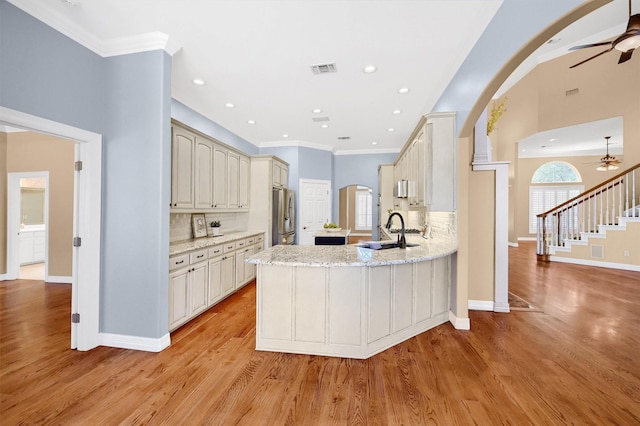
x: 105, y: 48
x: 281, y: 144
x: 367, y: 151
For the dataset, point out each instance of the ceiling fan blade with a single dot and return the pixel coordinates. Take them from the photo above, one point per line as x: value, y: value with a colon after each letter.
x: 584, y: 46
x: 593, y: 57
x: 625, y: 56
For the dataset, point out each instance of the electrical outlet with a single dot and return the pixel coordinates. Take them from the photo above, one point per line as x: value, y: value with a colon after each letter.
x: 626, y: 253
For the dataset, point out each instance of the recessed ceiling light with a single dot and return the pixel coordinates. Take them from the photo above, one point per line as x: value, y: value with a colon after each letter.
x: 396, y: 111
x: 403, y: 90
x: 369, y: 69
x: 317, y: 111
x: 70, y: 2
x: 229, y: 105
x: 199, y: 82
x: 391, y: 129
x: 251, y: 122
x: 285, y: 135
x: 551, y: 140
x: 324, y: 126
x: 374, y: 143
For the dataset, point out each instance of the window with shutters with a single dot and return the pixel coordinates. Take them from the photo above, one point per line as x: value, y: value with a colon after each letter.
x: 549, y: 188
x: 364, y: 216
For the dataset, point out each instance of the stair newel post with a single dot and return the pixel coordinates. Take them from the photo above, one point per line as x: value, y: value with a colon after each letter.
x: 620, y: 211
x: 633, y: 178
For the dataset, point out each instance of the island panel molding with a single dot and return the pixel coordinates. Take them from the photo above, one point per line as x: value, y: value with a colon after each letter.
x: 347, y: 309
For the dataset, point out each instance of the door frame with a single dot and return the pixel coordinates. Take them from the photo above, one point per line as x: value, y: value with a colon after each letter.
x: 301, y: 184
x: 14, y: 199
x: 87, y: 221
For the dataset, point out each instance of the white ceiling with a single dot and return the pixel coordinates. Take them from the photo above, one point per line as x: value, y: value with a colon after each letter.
x: 579, y: 140
x: 257, y: 55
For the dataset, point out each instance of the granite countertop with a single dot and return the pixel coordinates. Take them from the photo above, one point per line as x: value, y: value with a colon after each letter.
x: 326, y: 233
x: 180, y: 247
x: 352, y: 255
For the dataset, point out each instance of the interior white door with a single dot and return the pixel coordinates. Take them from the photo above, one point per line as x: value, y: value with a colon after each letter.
x: 87, y: 220
x: 315, y: 208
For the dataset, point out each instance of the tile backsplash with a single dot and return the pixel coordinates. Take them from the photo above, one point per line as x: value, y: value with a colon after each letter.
x: 440, y: 222
x: 180, y: 224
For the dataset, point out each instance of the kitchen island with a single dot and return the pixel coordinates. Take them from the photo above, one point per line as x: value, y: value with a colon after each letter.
x: 349, y: 301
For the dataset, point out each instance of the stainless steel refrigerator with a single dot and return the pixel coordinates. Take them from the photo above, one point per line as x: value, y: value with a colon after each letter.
x: 284, y: 217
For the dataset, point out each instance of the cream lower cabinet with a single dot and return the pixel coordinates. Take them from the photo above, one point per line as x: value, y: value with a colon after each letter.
x: 187, y: 287
x: 228, y: 274
x: 201, y: 278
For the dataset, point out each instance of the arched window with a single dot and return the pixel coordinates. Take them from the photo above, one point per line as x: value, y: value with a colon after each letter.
x: 554, y: 175
x: 555, y: 172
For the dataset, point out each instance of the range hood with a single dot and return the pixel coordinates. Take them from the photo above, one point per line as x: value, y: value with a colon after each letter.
x: 401, y: 189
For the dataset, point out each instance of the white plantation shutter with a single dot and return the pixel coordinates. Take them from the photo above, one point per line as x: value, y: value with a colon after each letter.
x: 363, y: 210
x: 543, y: 198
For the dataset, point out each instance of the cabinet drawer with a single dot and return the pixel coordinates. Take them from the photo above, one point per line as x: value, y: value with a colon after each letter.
x: 241, y: 243
x: 251, y: 241
x: 180, y: 261
x: 260, y: 238
x: 230, y: 246
x: 198, y: 256
x: 215, y: 251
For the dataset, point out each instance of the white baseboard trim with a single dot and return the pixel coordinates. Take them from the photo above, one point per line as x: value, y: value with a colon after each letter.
x: 58, y: 279
x: 611, y: 265
x: 501, y: 307
x: 3, y: 277
x: 134, y: 342
x: 459, y: 323
x: 513, y: 244
x: 480, y: 305
x: 527, y: 239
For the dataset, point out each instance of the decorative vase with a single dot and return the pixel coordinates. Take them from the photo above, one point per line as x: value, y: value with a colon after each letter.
x: 215, y: 230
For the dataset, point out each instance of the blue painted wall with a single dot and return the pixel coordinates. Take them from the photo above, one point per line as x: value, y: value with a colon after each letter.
x: 127, y: 100
x: 359, y: 169
x: 515, y: 23
x: 197, y: 121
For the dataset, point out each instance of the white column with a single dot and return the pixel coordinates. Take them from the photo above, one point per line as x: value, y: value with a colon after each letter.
x: 482, y: 144
x: 501, y: 257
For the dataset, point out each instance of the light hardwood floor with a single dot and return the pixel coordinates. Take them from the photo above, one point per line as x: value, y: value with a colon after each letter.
x: 576, y: 362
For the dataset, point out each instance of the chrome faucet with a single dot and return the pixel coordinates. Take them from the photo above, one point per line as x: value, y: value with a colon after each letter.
x: 402, y: 242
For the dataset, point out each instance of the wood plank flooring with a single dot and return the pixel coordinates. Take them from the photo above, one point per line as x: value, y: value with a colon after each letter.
x: 576, y: 362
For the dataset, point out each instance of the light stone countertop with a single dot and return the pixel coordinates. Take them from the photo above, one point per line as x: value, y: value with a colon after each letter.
x: 340, y: 233
x: 352, y: 255
x: 180, y: 247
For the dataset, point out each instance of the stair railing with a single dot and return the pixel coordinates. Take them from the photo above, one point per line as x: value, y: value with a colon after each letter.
x: 603, y: 204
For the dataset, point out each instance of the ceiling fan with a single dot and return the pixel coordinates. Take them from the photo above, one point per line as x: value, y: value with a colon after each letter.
x: 608, y: 162
x: 625, y: 42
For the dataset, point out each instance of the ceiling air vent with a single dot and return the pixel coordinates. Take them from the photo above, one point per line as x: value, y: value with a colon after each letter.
x: 571, y: 92
x: 317, y: 119
x: 344, y: 138
x: 324, y: 68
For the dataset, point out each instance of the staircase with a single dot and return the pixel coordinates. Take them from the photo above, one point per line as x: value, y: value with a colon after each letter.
x: 600, y: 227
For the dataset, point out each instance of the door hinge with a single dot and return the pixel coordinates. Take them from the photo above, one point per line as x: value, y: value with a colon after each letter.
x: 75, y: 318
x: 77, y: 166
x: 77, y: 241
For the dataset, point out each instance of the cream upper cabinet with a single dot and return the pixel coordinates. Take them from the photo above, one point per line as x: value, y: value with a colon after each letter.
x: 233, y: 162
x: 284, y: 175
x: 203, y: 174
x: 182, y: 164
x: 206, y: 175
x: 441, y: 162
x: 280, y: 174
x: 220, y: 177
x: 428, y: 163
x: 244, y: 182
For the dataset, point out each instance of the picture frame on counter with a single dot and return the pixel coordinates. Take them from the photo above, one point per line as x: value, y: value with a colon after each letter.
x: 199, y: 225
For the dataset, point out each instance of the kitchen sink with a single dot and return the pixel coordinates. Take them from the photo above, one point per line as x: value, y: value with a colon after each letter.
x: 383, y: 245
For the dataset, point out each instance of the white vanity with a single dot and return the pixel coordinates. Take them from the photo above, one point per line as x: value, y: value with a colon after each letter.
x: 349, y: 301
